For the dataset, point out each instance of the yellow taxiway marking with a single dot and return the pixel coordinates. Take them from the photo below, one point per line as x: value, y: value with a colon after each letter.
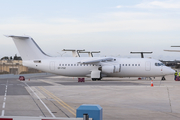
x: 58, y: 100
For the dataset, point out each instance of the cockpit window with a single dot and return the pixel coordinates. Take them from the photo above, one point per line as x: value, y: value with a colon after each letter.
x: 159, y: 64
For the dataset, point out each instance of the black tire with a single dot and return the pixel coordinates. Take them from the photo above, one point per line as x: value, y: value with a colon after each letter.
x: 99, y: 78
x: 93, y: 79
x: 163, y: 78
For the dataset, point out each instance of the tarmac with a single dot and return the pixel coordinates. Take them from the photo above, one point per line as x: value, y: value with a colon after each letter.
x: 48, y: 95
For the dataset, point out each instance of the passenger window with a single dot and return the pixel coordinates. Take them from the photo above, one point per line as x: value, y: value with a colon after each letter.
x: 74, y: 64
x: 135, y: 64
x: 65, y: 64
x: 126, y: 64
x: 129, y: 65
x: 138, y: 64
x: 59, y: 64
x: 132, y: 64
x: 62, y: 64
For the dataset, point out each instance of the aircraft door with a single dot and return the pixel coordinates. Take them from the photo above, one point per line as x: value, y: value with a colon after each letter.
x: 52, y: 65
x: 161, y: 69
x: 148, y: 66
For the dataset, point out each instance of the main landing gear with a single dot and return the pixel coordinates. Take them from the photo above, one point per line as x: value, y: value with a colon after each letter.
x: 94, y: 79
x: 163, y: 78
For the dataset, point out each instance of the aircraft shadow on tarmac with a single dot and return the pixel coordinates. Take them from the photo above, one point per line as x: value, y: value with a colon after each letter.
x: 107, y: 83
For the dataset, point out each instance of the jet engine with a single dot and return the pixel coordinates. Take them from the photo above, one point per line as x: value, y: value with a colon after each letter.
x: 111, y: 69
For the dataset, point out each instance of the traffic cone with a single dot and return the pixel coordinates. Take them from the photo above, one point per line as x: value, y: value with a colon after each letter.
x: 152, y: 83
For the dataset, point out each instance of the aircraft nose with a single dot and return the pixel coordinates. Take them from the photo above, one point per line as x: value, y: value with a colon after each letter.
x: 169, y: 71
x: 172, y: 71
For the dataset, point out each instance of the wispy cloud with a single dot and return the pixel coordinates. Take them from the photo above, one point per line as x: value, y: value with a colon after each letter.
x: 80, y: 28
x: 159, y: 4
x: 112, y: 21
x: 119, y: 6
x: 168, y: 4
x: 63, y: 20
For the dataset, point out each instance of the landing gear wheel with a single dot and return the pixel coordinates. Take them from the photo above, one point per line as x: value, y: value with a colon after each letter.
x: 93, y: 79
x: 163, y: 78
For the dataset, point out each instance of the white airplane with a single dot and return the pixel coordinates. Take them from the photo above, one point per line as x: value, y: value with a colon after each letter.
x: 94, y: 67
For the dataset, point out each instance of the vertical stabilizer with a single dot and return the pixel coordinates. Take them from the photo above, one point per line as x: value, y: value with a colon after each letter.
x: 28, y: 48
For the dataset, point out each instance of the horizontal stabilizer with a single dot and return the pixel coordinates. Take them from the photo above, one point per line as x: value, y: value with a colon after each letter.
x: 19, y: 37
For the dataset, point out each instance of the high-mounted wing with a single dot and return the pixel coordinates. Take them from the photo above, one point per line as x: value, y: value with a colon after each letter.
x: 97, y: 60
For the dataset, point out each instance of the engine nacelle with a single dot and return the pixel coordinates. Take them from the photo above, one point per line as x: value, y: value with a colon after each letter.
x: 108, y: 69
x: 111, y: 69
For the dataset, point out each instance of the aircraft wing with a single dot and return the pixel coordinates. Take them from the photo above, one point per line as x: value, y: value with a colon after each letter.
x: 89, y: 61
x: 172, y: 50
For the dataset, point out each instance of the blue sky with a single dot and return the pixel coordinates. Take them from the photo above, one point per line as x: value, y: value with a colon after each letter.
x: 114, y: 27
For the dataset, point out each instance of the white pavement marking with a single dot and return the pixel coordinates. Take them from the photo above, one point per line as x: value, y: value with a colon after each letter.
x: 2, y: 114
x: 41, y: 101
x: 3, y: 105
x: 4, y: 98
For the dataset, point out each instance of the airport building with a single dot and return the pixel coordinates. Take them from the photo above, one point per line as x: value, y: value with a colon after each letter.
x: 15, y: 67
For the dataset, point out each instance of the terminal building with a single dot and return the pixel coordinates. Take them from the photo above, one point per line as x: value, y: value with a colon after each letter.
x: 9, y: 65
x: 15, y: 67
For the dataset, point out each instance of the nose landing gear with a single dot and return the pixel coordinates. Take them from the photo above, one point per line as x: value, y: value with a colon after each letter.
x: 163, y: 78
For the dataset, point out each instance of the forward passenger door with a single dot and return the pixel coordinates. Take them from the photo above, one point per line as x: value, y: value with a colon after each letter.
x: 148, y: 66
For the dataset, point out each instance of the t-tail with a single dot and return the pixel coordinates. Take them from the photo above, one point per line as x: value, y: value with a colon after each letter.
x: 28, y: 48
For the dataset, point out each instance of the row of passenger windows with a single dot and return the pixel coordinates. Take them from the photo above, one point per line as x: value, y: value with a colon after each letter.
x: 130, y: 64
x: 77, y: 65
x: 95, y: 65
x: 156, y: 64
